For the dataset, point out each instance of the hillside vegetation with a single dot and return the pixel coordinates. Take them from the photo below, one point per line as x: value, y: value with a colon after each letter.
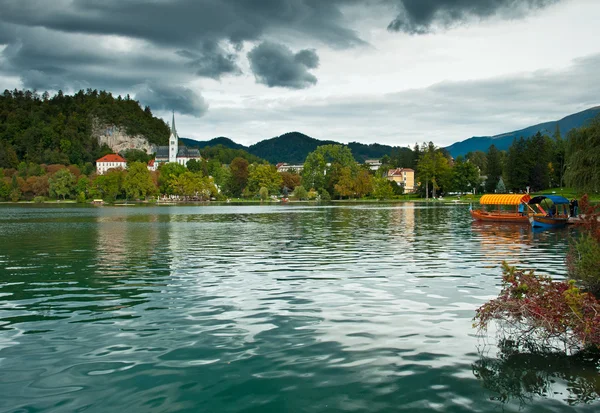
x: 58, y: 129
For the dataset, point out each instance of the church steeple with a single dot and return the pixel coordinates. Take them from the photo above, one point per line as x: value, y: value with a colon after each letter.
x: 173, y: 142
x: 173, y: 130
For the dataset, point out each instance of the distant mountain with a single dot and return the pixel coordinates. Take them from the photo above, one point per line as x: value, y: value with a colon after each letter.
x: 503, y: 141
x: 226, y: 142
x: 293, y: 148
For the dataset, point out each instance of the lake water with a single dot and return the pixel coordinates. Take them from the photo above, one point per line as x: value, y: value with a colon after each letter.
x: 361, y: 308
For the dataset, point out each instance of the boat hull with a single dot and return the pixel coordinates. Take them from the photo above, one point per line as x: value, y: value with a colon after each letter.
x: 511, y: 217
x: 547, y: 222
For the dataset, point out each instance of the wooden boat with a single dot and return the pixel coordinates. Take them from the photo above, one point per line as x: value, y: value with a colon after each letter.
x: 557, y: 215
x: 516, y: 215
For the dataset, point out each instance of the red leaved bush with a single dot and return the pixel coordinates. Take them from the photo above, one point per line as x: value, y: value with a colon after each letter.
x: 536, y: 309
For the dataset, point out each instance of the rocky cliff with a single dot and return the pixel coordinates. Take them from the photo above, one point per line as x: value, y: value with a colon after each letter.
x: 118, y: 140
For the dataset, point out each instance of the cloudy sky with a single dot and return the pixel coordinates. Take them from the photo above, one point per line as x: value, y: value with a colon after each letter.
x: 386, y: 71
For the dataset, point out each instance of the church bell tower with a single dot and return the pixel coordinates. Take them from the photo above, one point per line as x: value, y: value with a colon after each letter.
x: 173, y: 142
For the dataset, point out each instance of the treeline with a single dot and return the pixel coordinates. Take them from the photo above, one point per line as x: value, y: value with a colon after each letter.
x: 539, y: 163
x: 57, y: 129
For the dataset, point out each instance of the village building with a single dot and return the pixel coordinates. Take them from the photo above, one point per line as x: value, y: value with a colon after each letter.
x: 151, y: 165
x: 174, y: 152
x: 403, y: 176
x: 374, y: 164
x: 284, y: 167
x: 111, y: 161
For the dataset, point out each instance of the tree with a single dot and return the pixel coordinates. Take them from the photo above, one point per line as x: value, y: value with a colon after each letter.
x: 4, y: 188
x: 382, y: 188
x: 494, y: 169
x: 300, y: 192
x: 138, y: 181
x: 264, y: 176
x: 479, y: 159
x: 583, y: 158
x: 264, y: 193
x: 465, y: 176
x: 110, y: 185
x: 239, y: 176
x: 433, y: 167
x: 167, y: 173
x: 194, y: 166
x: 363, y: 185
x: 322, y: 166
x: 290, y: 180
x: 62, y: 183
x: 345, y: 184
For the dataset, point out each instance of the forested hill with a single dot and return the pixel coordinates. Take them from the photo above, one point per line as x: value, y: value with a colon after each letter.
x: 503, y: 141
x: 294, y: 147
x: 58, y: 129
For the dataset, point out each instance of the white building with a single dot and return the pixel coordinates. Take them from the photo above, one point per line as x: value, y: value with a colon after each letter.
x: 374, y: 164
x: 173, y: 152
x: 111, y: 161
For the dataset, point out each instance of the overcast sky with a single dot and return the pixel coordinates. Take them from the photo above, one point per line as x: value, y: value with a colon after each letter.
x: 386, y: 71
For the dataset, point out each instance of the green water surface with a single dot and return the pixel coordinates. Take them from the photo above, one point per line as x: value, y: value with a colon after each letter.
x: 267, y: 309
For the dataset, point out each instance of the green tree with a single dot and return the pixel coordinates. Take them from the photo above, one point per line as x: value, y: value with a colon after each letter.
x: 194, y: 165
x: 433, y: 168
x: 323, y: 166
x: 382, y: 188
x: 4, y: 188
x: 110, y: 185
x: 494, y: 169
x: 264, y: 193
x: 300, y: 192
x: 167, y: 173
x: 479, y: 159
x: 465, y: 176
x: 62, y: 183
x: 82, y: 185
x: 266, y: 176
x: 138, y: 182
x: 583, y: 158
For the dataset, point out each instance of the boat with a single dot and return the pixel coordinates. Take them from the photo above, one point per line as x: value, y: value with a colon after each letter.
x: 508, y: 214
x: 557, y: 214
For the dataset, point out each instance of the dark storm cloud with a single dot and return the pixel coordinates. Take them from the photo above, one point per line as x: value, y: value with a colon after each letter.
x: 180, y: 99
x: 276, y: 65
x: 423, y: 16
x: 211, y: 61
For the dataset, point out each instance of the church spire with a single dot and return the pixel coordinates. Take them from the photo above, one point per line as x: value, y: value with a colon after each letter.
x: 173, y: 130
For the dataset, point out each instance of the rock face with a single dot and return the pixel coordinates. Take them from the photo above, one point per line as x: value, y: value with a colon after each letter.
x: 118, y: 139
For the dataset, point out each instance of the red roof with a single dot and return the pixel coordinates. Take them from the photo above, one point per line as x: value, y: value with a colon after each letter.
x: 111, y: 158
x: 151, y: 162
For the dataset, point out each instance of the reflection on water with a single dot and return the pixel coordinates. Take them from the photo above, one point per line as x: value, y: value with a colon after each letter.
x: 254, y: 308
x: 524, y: 377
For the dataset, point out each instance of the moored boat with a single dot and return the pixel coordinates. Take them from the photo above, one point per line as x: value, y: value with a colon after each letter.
x: 508, y: 214
x: 554, y: 211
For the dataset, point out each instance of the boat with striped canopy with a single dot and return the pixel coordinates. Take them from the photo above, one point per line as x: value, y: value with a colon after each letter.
x: 502, y: 208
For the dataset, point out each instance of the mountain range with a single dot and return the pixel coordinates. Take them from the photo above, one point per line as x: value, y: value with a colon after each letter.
x: 503, y: 141
x: 293, y: 147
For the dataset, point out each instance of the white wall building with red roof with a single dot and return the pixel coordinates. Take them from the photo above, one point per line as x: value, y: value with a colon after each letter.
x: 151, y: 165
x: 111, y: 161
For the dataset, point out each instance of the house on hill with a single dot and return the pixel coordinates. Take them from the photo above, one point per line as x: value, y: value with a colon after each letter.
x: 403, y: 176
x: 111, y: 161
x: 174, y: 152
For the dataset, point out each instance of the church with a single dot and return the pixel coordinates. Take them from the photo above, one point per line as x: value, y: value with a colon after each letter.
x: 173, y: 152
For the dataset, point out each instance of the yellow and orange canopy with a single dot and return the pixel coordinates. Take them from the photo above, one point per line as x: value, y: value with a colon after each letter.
x: 504, y: 199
